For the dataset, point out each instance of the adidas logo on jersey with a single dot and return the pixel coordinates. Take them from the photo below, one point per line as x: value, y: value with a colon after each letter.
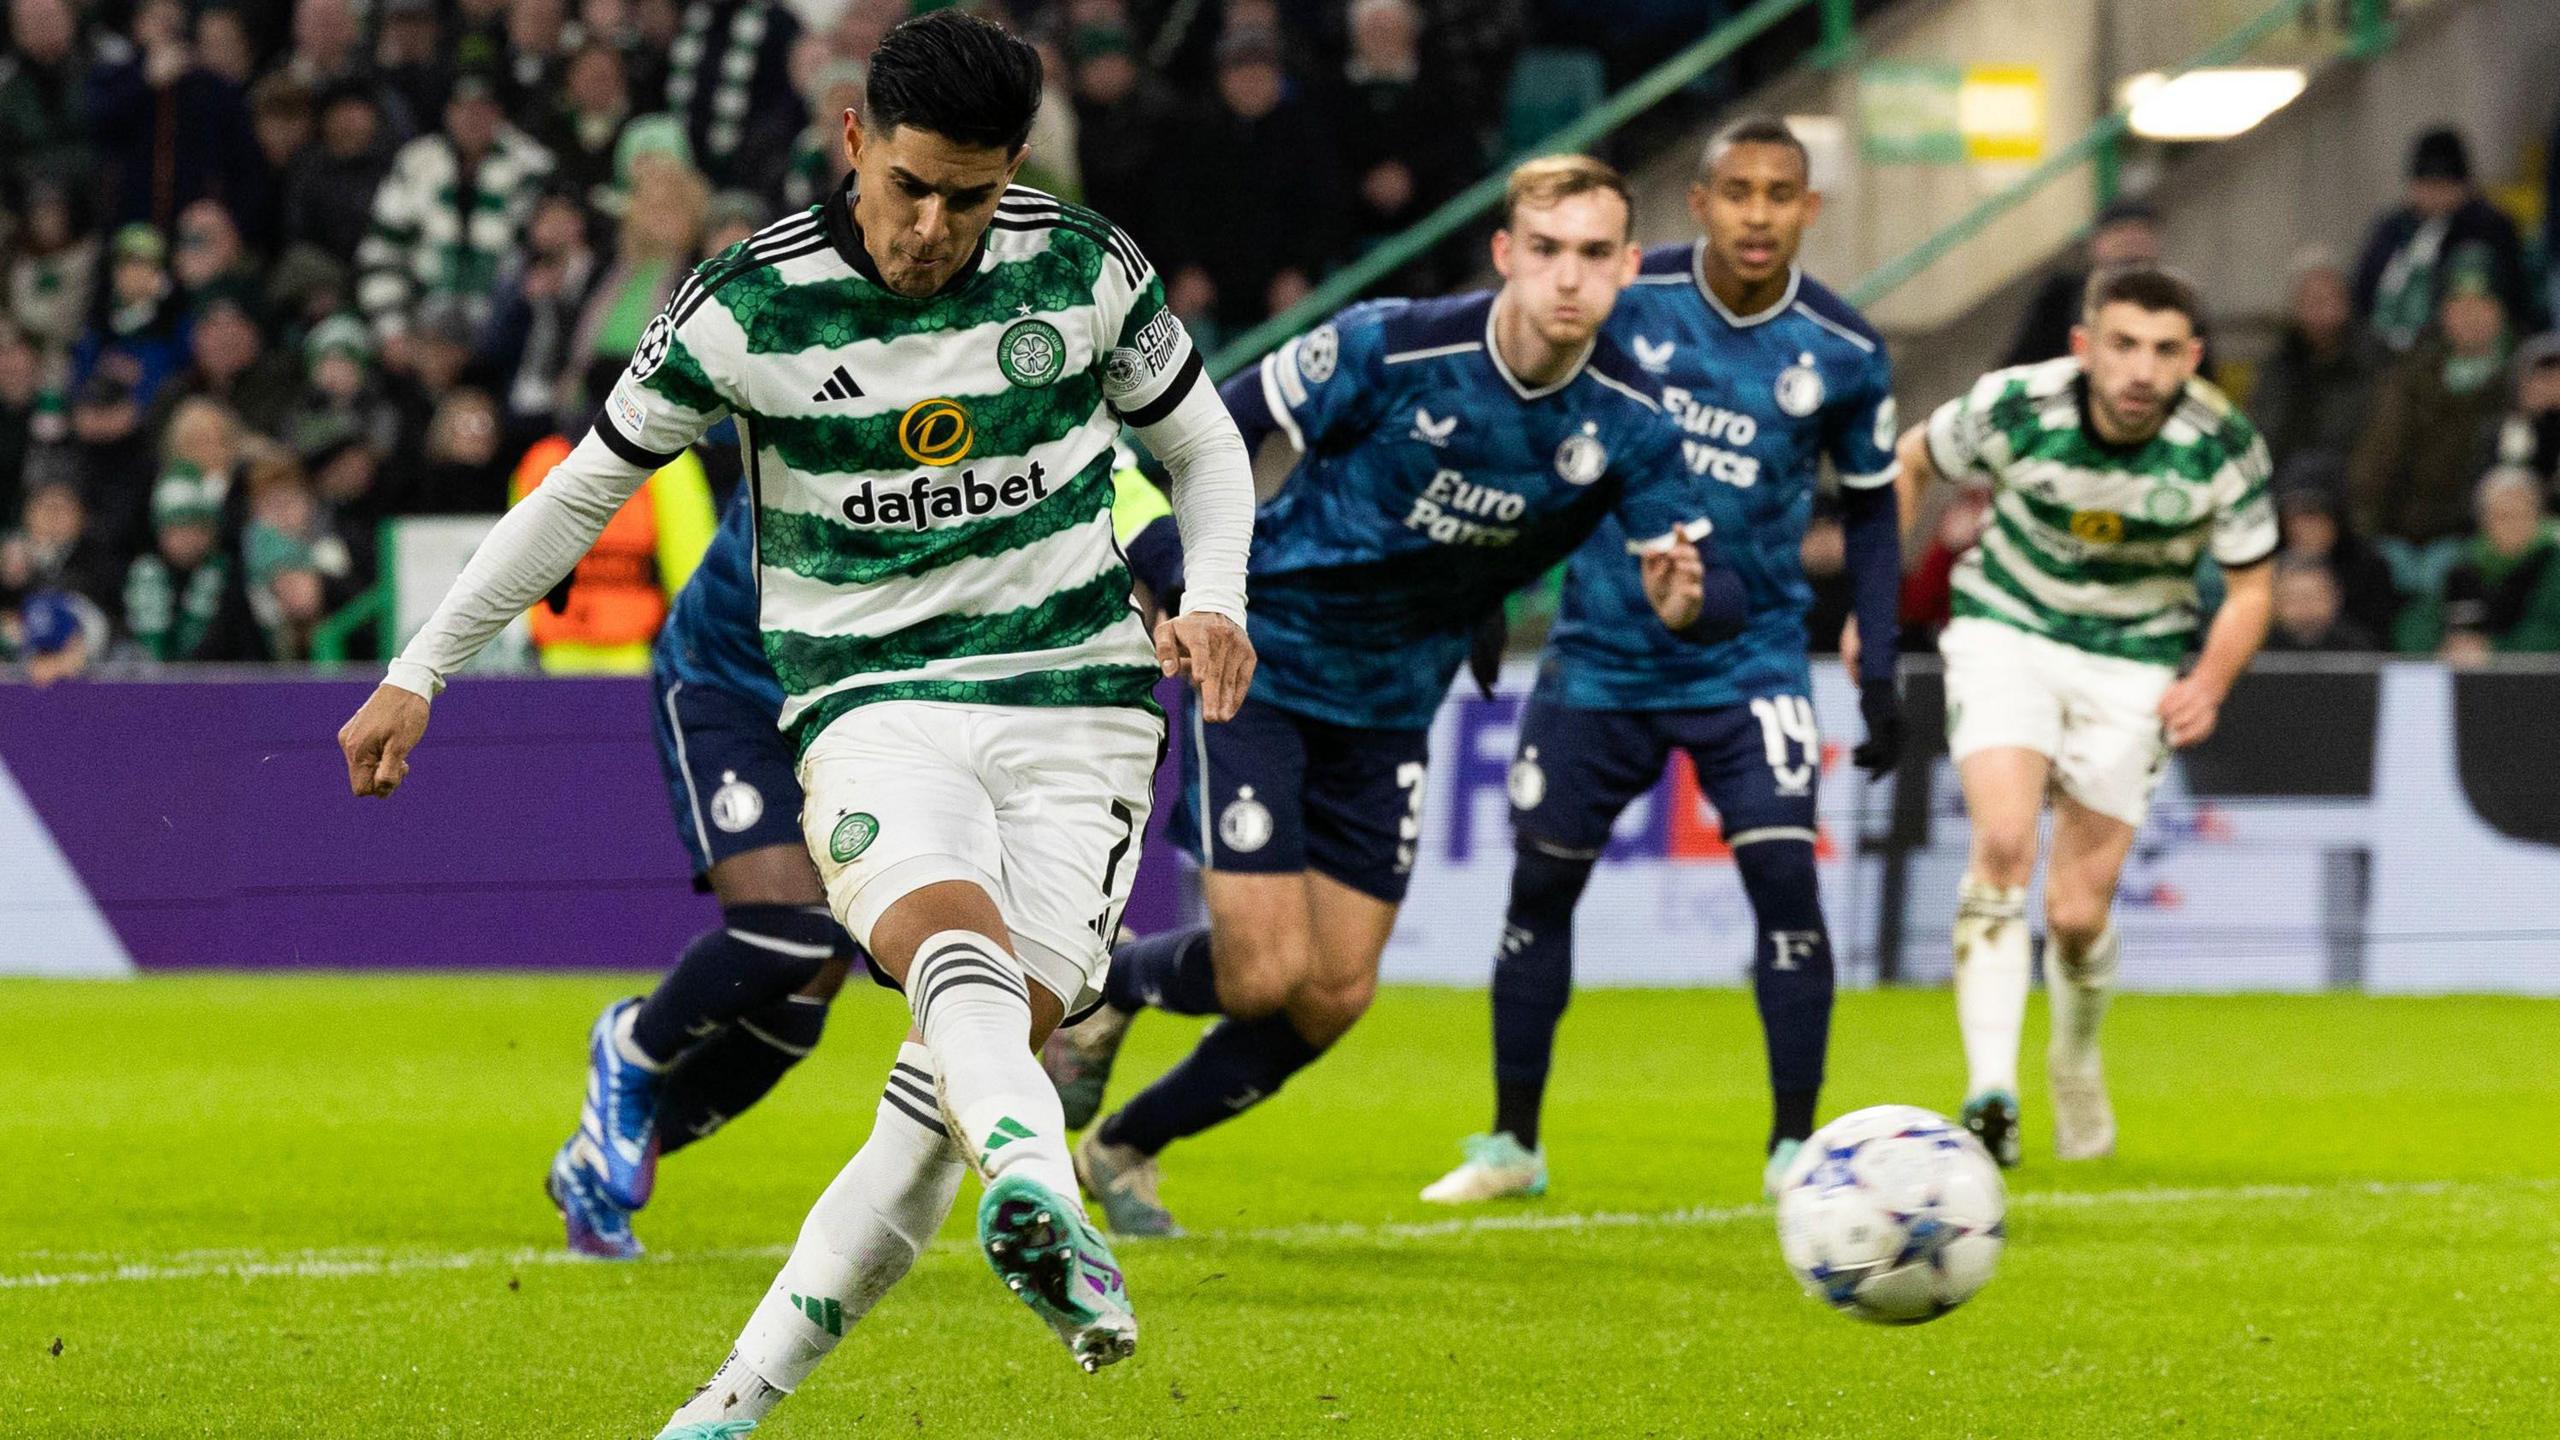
x: 839, y: 386
x: 920, y: 503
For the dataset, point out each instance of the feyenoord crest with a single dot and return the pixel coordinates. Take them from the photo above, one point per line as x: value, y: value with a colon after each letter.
x: 1528, y: 781
x: 1317, y: 353
x: 1799, y: 389
x: 1245, y: 825
x: 1582, y: 459
x: 736, y: 805
x: 652, y: 350
x: 1032, y: 353
x: 854, y: 834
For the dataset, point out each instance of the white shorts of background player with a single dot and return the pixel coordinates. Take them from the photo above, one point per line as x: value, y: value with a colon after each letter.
x: 2096, y: 717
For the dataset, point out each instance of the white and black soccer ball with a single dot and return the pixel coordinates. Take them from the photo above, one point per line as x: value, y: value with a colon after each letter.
x: 1892, y: 1214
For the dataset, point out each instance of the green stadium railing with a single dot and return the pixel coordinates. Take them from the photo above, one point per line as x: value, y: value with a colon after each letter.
x: 1838, y: 45
x: 2370, y: 33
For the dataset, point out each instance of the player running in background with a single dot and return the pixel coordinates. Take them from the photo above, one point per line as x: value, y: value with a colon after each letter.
x: 1450, y: 450
x: 748, y: 1000
x: 1768, y: 374
x: 929, y: 370
x: 2112, y: 472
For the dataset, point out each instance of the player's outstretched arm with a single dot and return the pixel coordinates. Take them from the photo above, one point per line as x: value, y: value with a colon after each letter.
x: 532, y: 547
x: 2191, y: 707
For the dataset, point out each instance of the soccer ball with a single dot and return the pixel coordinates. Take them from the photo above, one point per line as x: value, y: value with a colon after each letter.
x: 1892, y: 1214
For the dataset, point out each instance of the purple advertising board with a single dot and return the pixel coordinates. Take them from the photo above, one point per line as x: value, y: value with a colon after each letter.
x: 209, y: 823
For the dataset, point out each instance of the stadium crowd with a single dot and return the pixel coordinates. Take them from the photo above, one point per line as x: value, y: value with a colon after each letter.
x: 276, y: 272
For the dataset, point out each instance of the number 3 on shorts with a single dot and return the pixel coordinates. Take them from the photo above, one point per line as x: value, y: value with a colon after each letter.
x: 1409, y: 829
x: 1785, y: 719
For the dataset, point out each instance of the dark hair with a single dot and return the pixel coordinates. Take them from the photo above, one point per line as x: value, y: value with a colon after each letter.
x: 2151, y: 287
x: 968, y: 80
x: 1752, y: 130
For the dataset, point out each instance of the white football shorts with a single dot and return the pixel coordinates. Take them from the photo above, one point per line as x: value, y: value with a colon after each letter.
x: 1041, y: 807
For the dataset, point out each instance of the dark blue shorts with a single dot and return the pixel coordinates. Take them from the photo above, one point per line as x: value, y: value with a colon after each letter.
x: 729, y: 772
x: 1758, y: 763
x: 1273, y: 792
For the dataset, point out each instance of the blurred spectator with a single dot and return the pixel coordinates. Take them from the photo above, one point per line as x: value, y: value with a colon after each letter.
x: 2311, y: 518
x: 329, y: 190
x: 583, y: 130
x: 2313, y: 393
x: 52, y: 548
x: 2126, y: 233
x: 204, y: 440
x: 1928, y: 590
x: 733, y: 218
x: 1261, y: 193
x: 207, y: 258
x: 1125, y: 120
x: 135, y: 329
x: 328, y: 58
x: 2410, y: 479
x: 2530, y: 435
x: 44, y: 85
x: 1404, y: 149
x: 55, y: 269
x: 659, y: 235
x: 817, y: 157
x: 2409, y: 254
x: 174, y: 594
x: 729, y: 80
x: 55, y: 632
x: 415, y: 68
x: 281, y: 114
x: 2309, y: 613
x: 536, y: 56
x: 1053, y: 163
x: 341, y: 403
x: 170, y: 130
x: 223, y: 45
x: 460, y: 468
x: 231, y: 364
x: 289, y: 560
x: 447, y: 217
x: 108, y: 456
x: 21, y: 378
x: 2503, y: 595
x: 527, y: 340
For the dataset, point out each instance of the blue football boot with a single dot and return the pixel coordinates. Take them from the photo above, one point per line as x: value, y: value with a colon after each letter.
x: 620, y: 1116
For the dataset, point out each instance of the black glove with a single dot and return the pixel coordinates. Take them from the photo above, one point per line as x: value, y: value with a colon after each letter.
x: 1880, y: 702
x: 1484, y: 650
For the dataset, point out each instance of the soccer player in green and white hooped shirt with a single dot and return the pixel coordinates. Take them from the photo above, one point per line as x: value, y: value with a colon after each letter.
x: 928, y: 371
x: 2112, y: 472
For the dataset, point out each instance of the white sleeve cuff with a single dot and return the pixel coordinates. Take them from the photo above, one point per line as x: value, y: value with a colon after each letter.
x: 417, y: 679
x: 1876, y: 480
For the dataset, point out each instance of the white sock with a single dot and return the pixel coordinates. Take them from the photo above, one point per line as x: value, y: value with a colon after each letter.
x: 1991, y: 981
x: 858, y: 1241
x: 973, y: 1008
x: 2078, y: 983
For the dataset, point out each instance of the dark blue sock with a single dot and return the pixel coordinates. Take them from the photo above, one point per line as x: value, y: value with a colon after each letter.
x: 1532, y: 981
x: 1236, y: 1066
x: 759, y: 954
x: 1169, y: 972
x: 1790, y: 977
x: 718, y: 1079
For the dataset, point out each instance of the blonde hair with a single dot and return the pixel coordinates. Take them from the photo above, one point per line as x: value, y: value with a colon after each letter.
x: 1552, y: 179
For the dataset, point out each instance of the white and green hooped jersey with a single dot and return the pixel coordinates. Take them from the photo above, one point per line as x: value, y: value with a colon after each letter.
x: 932, y: 477
x: 2091, y: 544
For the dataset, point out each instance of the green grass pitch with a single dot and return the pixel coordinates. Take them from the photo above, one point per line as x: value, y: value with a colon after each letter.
x: 309, y: 1207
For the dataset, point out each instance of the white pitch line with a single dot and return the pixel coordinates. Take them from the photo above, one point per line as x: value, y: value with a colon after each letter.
x: 349, y: 1263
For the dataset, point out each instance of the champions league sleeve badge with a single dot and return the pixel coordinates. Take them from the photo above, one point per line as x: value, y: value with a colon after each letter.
x: 1799, y: 389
